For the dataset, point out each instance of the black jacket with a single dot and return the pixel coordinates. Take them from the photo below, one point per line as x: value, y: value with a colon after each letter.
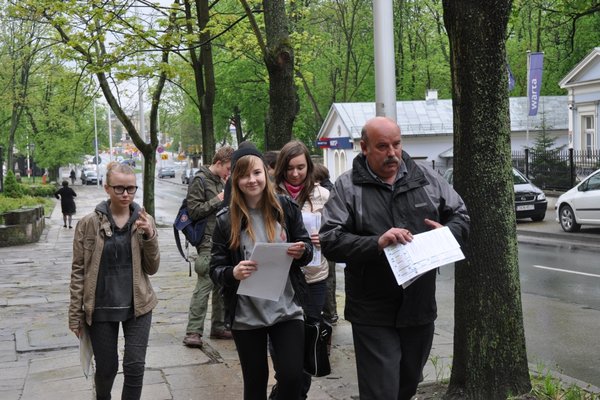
x: 223, y: 259
x: 360, y: 209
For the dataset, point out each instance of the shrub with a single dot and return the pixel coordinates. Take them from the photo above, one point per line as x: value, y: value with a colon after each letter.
x: 12, y: 188
x: 11, y: 203
x: 41, y: 190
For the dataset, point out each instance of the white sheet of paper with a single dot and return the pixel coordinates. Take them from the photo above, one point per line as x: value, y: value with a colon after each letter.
x: 312, y: 223
x: 85, y: 351
x: 428, y: 250
x: 272, y: 269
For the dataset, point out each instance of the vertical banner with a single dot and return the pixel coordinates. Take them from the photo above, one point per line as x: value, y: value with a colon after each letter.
x: 511, y: 78
x: 535, y: 64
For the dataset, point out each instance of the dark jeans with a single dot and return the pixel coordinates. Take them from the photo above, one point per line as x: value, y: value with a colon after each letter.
x: 104, y: 337
x: 389, y: 360
x: 330, y: 307
x: 287, y: 339
x: 317, y: 292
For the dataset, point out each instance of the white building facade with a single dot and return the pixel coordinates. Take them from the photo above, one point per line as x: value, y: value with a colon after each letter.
x: 583, y: 86
x: 427, y: 129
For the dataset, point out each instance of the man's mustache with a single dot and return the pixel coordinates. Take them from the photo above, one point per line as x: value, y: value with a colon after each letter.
x: 391, y: 160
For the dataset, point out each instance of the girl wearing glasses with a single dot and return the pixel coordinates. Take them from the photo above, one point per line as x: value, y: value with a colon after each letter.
x: 115, y: 248
x: 256, y: 214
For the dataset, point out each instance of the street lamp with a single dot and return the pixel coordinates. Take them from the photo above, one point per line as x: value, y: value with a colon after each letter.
x: 1, y: 169
x: 31, y: 150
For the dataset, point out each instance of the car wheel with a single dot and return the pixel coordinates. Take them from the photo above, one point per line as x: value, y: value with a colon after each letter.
x: 567, y: 219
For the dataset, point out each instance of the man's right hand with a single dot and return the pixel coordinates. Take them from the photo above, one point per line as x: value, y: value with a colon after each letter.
x: 394, y: 236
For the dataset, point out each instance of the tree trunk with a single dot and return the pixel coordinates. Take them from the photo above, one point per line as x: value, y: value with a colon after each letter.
x: 279, y: 59
x: 208, y: 100
x: 204, y: 77
x: 490, y: 360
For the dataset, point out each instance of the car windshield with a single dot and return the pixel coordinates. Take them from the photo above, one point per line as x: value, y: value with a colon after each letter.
x: 518, y: 178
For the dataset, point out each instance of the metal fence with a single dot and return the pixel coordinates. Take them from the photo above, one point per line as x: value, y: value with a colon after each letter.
x: 558, y: 170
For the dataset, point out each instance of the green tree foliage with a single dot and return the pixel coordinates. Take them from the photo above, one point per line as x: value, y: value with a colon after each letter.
x: 548, y: 169
x: 115, y: 43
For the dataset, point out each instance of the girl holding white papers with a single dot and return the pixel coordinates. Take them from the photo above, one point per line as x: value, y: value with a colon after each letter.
x: 257, y: 215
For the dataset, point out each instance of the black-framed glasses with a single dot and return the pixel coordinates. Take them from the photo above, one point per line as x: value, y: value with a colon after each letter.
x: 121, y: 189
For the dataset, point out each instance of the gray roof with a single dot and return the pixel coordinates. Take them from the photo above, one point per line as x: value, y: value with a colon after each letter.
x: 435, y: 117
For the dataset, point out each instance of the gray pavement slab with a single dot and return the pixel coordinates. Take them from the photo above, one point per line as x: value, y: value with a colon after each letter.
x: 39, y: 358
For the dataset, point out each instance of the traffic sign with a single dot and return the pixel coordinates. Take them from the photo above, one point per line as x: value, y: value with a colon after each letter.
x: 160, y: 149
x: 164, y: 156
x: 97, y: 161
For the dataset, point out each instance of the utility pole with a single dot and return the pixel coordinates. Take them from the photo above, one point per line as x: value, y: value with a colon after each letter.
x: 385, y: 70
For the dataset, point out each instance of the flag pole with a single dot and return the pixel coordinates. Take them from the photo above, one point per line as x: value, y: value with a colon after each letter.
x: 528, y: 97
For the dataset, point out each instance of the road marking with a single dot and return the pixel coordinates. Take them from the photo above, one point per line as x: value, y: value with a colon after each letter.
x: 566, y: 270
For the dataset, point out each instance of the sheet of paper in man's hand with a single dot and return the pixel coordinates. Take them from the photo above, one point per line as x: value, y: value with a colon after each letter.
x: 428, y: 250
x: 273, y: 266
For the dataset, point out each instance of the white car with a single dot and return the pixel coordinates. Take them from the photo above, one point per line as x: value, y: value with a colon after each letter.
x: 580, y: 205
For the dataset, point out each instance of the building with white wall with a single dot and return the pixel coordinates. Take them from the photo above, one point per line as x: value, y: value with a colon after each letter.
x: 427, y: 129
x: 583, y: 86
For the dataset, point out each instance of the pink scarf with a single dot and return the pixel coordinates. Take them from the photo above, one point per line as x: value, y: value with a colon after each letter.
x: 294, y: 191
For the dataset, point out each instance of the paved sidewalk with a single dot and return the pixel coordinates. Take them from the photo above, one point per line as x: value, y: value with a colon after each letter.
x: 39, y: 358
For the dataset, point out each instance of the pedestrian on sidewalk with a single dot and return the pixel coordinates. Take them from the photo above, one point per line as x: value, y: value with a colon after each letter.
x: 115, y: 248
x: 73, y: 176
x: 67, y: 203
x: 321, y: 174
x: 204, y: 197
x: 255, y: 215
x: 294, y: 177
x: 385, y: 199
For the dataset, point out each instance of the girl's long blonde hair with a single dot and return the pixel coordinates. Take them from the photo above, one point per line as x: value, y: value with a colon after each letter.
x: 268, y: 205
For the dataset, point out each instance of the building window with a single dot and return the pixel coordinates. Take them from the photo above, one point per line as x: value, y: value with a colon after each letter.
x: 336, y: 163
x: 588, y: 134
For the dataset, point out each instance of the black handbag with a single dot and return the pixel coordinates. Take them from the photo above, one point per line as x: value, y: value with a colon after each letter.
x: 317, y: 336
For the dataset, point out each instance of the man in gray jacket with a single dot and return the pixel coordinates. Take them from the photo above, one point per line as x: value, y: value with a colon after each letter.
x: 204, y: 197
x: 386, y: 199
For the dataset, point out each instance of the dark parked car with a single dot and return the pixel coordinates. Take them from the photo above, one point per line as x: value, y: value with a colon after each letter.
x: 187, y: 175
x: 166, y: 172
x: 530, y: 201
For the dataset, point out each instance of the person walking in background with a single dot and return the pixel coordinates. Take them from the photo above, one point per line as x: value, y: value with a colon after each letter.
x: 270, y: 161
x: 73, y: 176
x: 321, y: 174
x: 294, y: 176
x: 383, y: 200
x: 115, y: 248
x: 67, y: 202
x: 204, y: 197
x: 256, y: 215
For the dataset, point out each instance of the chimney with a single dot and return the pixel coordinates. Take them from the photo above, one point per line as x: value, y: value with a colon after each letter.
x: 431, y: 96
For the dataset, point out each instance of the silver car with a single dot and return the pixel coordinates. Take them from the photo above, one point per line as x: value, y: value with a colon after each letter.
x: 580, y: 205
